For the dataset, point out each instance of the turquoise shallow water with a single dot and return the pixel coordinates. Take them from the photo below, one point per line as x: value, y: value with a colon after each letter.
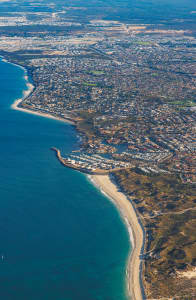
x: 61, y: 239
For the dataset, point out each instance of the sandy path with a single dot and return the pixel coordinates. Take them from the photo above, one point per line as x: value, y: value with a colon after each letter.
x: 129, y: 214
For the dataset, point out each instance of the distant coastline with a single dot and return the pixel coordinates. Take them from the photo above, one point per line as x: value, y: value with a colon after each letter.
x: 110, y: 189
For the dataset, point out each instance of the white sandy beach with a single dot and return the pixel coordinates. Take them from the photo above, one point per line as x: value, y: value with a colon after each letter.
x: 25, y: 95
x: 128, y: 213
x: 124, y: 205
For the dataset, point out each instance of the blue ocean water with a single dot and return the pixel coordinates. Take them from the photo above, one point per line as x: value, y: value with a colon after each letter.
x: 60, y: 238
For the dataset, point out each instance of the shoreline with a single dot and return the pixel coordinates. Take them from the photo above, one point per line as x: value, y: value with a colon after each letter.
x: 27, y: 93
x: 37, y: 113
x: 136, y: 235
x: 110, y: 190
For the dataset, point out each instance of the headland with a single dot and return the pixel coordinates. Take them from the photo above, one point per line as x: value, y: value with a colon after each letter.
x: 26, y: 93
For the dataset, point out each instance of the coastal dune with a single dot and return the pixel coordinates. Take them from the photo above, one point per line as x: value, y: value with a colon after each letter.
x: 136, y: 233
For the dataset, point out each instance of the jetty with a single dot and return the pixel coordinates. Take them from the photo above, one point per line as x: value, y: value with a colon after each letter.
x: 94, y: 165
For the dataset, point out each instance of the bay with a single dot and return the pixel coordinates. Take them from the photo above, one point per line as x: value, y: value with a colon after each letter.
x: 60, y: 238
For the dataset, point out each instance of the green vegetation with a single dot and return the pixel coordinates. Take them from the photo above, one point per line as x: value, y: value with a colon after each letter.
x: 89, y: 84
x: 143, y: 43
x: 168, y: 210
x: 155, y: 74
x: 97, y: 72
x: 185, y: 103
x: 86, y: 123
